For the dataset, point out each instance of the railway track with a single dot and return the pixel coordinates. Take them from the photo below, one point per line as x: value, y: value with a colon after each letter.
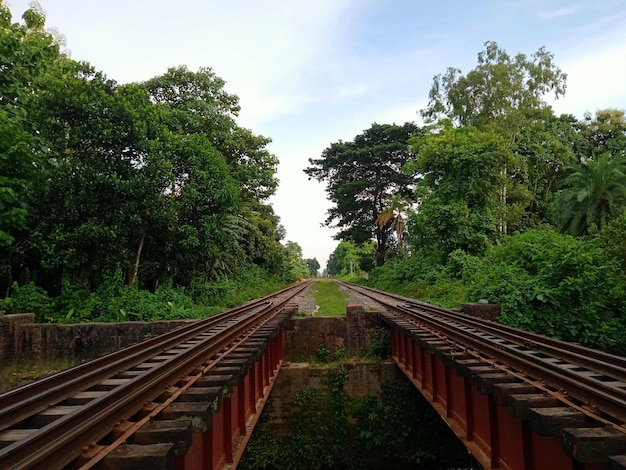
x: 587, y: 380
x: 68, y: 418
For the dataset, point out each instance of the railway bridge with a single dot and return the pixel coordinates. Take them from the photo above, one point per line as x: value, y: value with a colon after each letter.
x: 189, y: 399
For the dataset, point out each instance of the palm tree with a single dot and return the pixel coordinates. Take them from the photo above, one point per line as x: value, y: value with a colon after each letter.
x: 592, y: 195
x: 392, y: 218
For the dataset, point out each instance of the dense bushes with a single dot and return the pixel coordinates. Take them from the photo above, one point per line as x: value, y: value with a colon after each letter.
x: 558, y: 285
x: 117, y: 302
x: 329, y: 430
x: 562, y: 286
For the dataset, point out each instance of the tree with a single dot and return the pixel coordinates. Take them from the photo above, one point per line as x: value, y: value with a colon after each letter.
x: 604, y: 133
x: 497, y: 91
x: 593, y: 194
x: 543, y: 150
x: 102, y: 197
x: 28, y: 58
x: 503, y: 94
x: 362, y: 176
x: 459, y: 191
x: 393, y: 218
x: 295, y: 266
x: 196, y: 103
x: 313, y: 265
x: 343, y: 260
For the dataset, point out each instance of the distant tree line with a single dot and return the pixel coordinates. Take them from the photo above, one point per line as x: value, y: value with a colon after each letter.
x: 106, y: 186
x: 494, y: 197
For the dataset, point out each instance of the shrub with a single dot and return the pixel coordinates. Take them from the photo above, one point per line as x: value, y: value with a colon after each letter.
x: 557, y: 285
x: 29, y: 299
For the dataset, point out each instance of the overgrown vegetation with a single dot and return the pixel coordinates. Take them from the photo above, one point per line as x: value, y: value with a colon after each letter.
x: 114, y: 302
x: 134, y: 201
x: 27, y: 371
x: 330, y: 430
x: 511, y: 203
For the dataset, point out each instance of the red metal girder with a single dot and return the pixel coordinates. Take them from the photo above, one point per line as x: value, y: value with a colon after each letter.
x: 218, y: 455
x: 515, y: 442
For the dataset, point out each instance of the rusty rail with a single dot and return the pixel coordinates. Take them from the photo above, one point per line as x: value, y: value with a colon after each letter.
x: 163, y: 360
x: 590, y: 380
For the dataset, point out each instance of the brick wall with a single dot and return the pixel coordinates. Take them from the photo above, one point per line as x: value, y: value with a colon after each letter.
x: 364, y: 378
x: 353, y: 332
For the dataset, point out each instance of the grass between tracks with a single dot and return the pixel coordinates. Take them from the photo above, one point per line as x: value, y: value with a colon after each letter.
x: 331, y: 300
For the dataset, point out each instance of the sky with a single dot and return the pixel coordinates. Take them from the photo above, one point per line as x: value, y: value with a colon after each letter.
x: 310, y: 73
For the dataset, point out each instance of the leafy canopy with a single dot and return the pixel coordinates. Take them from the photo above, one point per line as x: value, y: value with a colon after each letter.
x: 361, y: 178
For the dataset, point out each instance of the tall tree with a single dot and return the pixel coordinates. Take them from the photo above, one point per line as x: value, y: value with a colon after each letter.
x: 593, y: 194
x: 197, y: 103
x: 497, y: 90
x: 28, y: 58
x: 502, y: 94
x: 393, y: 218
x: 606, y: 132
x: 459, y: 193
x: 102, y: 197
x: 543, y: 150
x: 361, y: 178
x: 314, y: 265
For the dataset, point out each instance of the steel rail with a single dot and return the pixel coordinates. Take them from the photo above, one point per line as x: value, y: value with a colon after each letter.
x: 62, y: 440
x: 21, y: 403
x: 586, y: 377
x: 36, y: 396
x: 533, y: 341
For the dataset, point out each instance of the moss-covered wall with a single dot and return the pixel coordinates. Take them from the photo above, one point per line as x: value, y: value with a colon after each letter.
x: 22, y: 339
x: 365, y: 377
x: 353, y: 333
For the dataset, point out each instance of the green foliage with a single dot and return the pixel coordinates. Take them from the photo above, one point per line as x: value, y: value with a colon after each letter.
x: 613, y: 236
x: 401, y: 425
x: 594, y: 193
x: 27, y: 56
x: 331, y: 431
x: 322, y: 354
x: 362, y: 176
x: 339, y: 354
x: 463, y: 175
x: 500, y: 88
x: 265, y: 450
x: 28, y: 298
x: 543, y: 282
x: 294, y: 267
x: 313, y: 266
x: 381, y: 343
x: 152, y: 186
x: 114, y: 301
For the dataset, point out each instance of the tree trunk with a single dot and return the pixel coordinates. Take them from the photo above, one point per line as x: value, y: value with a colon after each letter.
x: 381, y: 240
x: 132, y: 275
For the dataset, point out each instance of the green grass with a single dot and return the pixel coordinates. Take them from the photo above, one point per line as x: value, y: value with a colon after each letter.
x: 331, y: 300
x: 27, y: 371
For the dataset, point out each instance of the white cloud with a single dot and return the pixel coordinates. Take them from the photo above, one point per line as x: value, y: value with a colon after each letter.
x: 559, y: 12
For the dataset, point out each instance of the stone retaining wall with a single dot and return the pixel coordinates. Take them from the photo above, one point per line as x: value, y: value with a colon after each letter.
x: 353, y: 332
x: 364, y: 378
x: 22, y: 339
